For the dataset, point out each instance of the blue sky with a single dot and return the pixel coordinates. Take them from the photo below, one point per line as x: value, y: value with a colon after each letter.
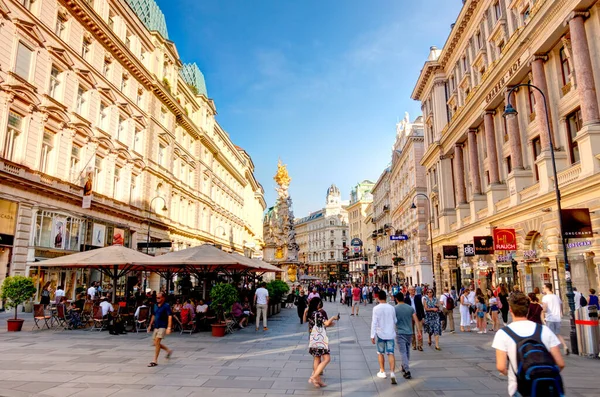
x: 317, y: 83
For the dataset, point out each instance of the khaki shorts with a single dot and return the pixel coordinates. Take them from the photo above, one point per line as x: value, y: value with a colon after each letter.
x: 355, y: 303
x: 159, y: 333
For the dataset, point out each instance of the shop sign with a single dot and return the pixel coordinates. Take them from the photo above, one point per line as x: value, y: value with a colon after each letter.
x: 576, y: 222
x: 6, y: 239
x: 398, y: 237
x: 484, y: 245
x: 503, y: 81
x: 579, y: 244
x: 356, y: 242
x: 505, y: 258
x: 468, y: 250
x: 450, y: 251
x: 8, y: 217
x: 505, y: 240
x: 530, y: 254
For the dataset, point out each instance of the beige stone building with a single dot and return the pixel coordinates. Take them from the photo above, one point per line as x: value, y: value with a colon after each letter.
x: 382, y: 223
x: 411, y: 257
x: 360, y: 232
x: 487, y: 172
x: 93, y: 91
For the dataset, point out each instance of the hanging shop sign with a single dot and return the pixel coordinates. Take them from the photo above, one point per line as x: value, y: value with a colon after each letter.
x: 398, y: 237
x: 505, y: 240
x: 580, y: 244
x: 576, y: 223
x: 88, y: 188
x: 450, y: 251
x: 356, y: 242
x: 468, y: 250
x: 484, y: 245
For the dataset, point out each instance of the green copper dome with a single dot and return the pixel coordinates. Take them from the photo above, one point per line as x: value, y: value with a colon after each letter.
x: 192, y: 75
x: 150, y: 15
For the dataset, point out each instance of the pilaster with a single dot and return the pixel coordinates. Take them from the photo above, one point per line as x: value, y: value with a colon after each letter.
x: 495, y: 193
x: 588, y: 141
x: 518, y: 180
x: 545, y: 172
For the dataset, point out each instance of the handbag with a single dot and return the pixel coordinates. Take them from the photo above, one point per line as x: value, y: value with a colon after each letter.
x: 318, y: 337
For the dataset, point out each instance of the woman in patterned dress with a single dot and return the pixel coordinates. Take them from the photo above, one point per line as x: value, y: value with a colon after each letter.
x: 315, y: 315
x: 432, y: 325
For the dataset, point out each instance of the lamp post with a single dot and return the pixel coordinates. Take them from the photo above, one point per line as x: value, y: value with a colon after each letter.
x: 510, y: 111
x: 414, y: 206
x: 164, y: 208
x: 215, y: 233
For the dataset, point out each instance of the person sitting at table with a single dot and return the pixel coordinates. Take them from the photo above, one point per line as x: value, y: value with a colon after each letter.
x: 60, y: 292
x: 177, y: 306
x: 248, y: 309
x: 144, y: 304
x: 75, y: 316
x: 237, y: 311
x: 80, y: 301
x: 107, y: 308
x: 202, y: 308
x: 188, y: 306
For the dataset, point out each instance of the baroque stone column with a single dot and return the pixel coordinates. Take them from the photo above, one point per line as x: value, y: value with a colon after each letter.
x: 490, y: 145
x: 474, y: 162
x: 514, y: 134
x: 583, y: 68
x: 539, y: 80
x: 459, y: 174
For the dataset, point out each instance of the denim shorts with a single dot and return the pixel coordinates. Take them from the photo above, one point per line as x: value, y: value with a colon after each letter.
x: 385, y: 346
x: 554, y: 326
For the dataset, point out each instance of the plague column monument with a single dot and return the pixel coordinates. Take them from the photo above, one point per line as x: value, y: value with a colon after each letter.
x: 281, y: 249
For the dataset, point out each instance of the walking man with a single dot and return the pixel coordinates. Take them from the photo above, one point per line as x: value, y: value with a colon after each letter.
x: 161, y: 319
x: 405, y: 316
x: 383, y: 333
x: 261, y: 301
x: 356, y: 292
x: 416, y: 302
x: 448, y: 304
x: 552, y: 306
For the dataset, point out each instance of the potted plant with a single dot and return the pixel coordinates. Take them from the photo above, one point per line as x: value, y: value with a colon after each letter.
x: 15, y: 291
x: 222, y: 296
x: 277, y: 290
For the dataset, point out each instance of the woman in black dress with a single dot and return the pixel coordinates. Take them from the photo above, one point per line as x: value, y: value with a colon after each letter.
x: 316, y: 316
x: 301, y: 304
x: 45, y: 299
x: 503, y: 296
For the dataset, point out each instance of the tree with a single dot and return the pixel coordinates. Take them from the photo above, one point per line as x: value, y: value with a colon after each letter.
x: 16, y: 290
x: 223, y: 296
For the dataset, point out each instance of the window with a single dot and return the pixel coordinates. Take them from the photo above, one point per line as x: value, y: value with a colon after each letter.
x: 498, y: 10
x: 74, y: 166
x: 23, y: 64
x: 133, y: 189
x: 137, y: 140
x: 111, y: 20
x: 190, y: 176
x: 525, y: 15
x: 140, y: 96
x: 121, y: 128
x: 26, y: 4
x: 85, y: 48
x: 47, y: 144
x: 116, y: 180
x: 182, y: 171
x: 97, y: 174
x: 103, y: 124
x: 14, y: 129
x: 331, y: 255
x: 464, y: 64
x: 161, y: 154
x: 58, y: 231
x: 478, y: 40
x: 564, y: 66
x: 54, y: 82
x: 106, y: 68
x: 124, y: 81
x: 531, y: 99
x: 574, y: 124
x: 537, y: 149
x: 60, y: 27
x: 331, y: 243
x: 508, y: 165
x: 80, y: 100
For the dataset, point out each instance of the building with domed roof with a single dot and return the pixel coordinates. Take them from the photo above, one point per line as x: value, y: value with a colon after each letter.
x: 323, y: 238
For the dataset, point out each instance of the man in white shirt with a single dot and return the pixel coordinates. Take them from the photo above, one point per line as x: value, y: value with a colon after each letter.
x: 506, y: 348
x: 106, y: 307
x: 261, y: 301
x: 92, y: 291
x: 577, y: 298
x: 202, y: 307
x: 60, y: 292
x: 383, y: 333
x: 552, y: 308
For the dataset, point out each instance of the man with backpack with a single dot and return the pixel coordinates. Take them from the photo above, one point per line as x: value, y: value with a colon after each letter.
x: 529, y: 354
x: 448, y: 304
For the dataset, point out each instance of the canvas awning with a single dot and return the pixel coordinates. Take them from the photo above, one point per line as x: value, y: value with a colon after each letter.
x: 259, y: 266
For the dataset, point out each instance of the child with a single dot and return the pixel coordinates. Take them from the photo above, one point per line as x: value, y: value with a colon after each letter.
x: 481, y: 310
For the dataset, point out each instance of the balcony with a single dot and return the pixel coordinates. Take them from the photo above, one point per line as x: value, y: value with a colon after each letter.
x: 569, y: 175
x: 386, y: 208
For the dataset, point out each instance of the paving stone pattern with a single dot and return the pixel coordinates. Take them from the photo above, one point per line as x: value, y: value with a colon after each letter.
x: 257, y: 364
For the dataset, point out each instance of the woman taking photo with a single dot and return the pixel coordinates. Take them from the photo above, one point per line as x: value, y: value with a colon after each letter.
x: 465, y: 316
x: 432, y: 324
x: 45, y: 299
x: 317, y: 318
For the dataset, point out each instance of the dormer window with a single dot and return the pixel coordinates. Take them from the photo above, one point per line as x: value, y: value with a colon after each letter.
x: 61, y: 25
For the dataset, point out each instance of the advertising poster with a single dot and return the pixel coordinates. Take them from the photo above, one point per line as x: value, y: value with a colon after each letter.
x: 118, y: 237
x: 576, y: 223
x: 59, y: 226
x: 88, y: 188
x: 98, y: 235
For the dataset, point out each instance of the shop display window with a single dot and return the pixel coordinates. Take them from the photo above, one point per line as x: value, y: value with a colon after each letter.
x: 57, y: 231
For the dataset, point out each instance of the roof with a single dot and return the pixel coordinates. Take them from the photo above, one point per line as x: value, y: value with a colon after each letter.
x: 151, y: 15
x: 191, y: 74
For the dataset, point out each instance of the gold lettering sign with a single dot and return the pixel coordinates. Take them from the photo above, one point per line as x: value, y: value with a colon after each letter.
x: 503, y: 81
x: 8, y: 217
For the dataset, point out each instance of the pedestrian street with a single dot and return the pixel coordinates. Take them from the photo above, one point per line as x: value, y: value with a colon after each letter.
x: 267, y: 364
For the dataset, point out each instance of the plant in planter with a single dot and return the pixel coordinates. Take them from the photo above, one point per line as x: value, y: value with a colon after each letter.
x: 15, y: 291
x: 222, y: 296
x: 277, y: 290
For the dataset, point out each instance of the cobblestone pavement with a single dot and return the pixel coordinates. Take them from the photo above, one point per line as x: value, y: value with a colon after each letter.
x: 268, y: 364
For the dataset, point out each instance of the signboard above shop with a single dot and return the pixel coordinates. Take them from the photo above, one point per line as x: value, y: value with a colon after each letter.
x: 576, y: 223
x: 398, y: 237
x: 484, y: 245
x: 505, y: 240
x: 450, y: 251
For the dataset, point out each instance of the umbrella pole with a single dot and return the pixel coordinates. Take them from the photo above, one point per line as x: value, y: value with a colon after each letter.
x: 115, y: 280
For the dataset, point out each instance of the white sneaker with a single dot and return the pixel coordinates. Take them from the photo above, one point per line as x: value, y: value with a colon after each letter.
x: 480, y: 332
x: 393, y: 378
x: 475, y: 329
x: 381, y: 375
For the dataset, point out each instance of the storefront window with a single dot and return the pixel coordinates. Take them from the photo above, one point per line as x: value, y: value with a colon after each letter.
x: 57, y: 231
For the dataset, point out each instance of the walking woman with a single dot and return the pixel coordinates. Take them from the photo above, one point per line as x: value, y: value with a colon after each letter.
x: 45, y: 299
x: 503, y: 296
x: 536, y: 310
x: 432, y: 324
x: 494, y: 313
x: 465, y: 316
x: 301, y: 304
x: 316, y: 316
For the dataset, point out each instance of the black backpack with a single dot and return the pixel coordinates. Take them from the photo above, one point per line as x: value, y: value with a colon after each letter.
x: 582, y: 301
x: 449, y: 302
x: 536, y: 371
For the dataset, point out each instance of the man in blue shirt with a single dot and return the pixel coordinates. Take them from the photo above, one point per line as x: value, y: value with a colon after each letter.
x: 162, y: 318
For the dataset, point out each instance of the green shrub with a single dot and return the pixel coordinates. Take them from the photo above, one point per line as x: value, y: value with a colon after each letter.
x: 223, y: 296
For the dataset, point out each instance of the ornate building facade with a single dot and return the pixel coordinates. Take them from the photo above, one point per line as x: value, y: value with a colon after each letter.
x: 93, y: 91
x: 381, y: 220
x: 323, y: 239
x: 359, y: 231
x: 488, y: 172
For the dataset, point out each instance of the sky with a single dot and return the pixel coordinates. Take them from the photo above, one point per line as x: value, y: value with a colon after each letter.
x: 319, y: 84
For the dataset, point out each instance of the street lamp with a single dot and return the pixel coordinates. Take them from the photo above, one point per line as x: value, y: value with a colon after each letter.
x: 414, y: 207
x: 164, y: 208
x: 510, y: 111
x: 215, y: 233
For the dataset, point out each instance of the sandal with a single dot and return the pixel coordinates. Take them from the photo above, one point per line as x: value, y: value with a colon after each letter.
x: 152, y: 364
x: 437, y: 348
x: 169, y: 354
x: 314, y: 382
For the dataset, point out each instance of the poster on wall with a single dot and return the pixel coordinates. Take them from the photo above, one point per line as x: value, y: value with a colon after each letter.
x: 576, y: 223
x: 59, y: 226
x: 98, y: 235
x: 88, y: 188
x: 118, y: 236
